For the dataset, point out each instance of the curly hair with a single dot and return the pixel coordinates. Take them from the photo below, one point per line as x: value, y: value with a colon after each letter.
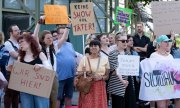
x: 34, y: 46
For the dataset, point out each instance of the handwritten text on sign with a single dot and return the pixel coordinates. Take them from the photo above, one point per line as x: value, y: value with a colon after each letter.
x: 128, y: 65
x: 83, y: 20
x: 25, y: 79
x: 160, y: 79
x: 123, y: 15
x: 166, y: 17
x: 56, y: 14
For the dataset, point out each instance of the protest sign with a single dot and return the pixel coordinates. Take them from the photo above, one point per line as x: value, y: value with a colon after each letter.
x: 24, y: 79
x: 56, y: 14
x: 123, y: 15
x: 128, y: 65
x: 160, y: 79
x: 83, y: 20
x: 177, y: 41
x: 166, y: 17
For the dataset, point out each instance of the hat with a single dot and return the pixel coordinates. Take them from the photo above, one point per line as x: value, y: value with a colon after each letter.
x: 163, y: 38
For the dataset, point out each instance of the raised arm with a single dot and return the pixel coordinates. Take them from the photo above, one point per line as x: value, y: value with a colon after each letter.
x: 63, y: 38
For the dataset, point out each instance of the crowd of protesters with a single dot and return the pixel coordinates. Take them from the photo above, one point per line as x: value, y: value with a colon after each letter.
x: 51, y: 50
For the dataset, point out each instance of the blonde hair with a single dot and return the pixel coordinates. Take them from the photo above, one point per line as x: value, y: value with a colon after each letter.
x: 119, y: 34
x: 89, y: 38
x: 1, y: 38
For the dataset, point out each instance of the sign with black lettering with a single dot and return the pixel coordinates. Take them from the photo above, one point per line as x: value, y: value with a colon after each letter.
x: 83, y: 20
x: 160, y: 79
x: 24, y: 79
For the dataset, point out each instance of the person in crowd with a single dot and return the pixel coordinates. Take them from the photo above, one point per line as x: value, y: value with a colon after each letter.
x: 89, y: 38
x: 111, y: 39
x: 162, y: 53
x: 30, y: 53
x: 104, y: 41
x: 99, y: 65
x: 54, y: 35
x: 118, y: 83
x: 66, y: 67
x: 2, y: 49
x: 11, y: 97
x: 130, y: 93
x: 140, y: 41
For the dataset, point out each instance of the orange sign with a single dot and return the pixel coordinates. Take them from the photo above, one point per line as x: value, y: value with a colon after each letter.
x: 23, y: 78
x: 56, y: 14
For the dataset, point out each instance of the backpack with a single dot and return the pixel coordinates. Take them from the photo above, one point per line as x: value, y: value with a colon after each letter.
x: 4, y: 57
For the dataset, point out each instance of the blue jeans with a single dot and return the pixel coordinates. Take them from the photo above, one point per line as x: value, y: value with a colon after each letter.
x: 32, y: 101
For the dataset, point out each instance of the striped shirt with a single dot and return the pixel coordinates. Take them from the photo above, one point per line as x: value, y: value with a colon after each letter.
x: 115, y: 86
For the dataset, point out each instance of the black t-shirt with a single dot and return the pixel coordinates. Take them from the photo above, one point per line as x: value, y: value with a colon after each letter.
x: 141, y: 42
x: 150, y: 49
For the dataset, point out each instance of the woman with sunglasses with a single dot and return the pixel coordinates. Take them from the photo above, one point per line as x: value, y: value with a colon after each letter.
x: 117, y: 83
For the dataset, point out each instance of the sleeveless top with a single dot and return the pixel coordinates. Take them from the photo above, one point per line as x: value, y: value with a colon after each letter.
x: 37, y: 60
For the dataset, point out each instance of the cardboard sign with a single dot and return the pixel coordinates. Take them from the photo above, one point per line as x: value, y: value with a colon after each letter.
x: 160, y: 79
x: 83, y: 20
x: 166, y: 17
x: 123, y: 15
x: 24, y: 79
x: 56, y: 14
x: 128, y: 65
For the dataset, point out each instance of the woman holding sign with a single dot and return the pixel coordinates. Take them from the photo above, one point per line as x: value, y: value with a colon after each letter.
x: 162, y: 53
x: 30, y: 54
x: 99, y: 66
x: 117, y: 83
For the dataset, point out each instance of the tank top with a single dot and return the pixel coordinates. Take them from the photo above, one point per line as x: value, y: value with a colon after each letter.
x: 37, y: 60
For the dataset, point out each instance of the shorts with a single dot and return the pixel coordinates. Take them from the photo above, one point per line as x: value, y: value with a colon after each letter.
x: 66, y: 88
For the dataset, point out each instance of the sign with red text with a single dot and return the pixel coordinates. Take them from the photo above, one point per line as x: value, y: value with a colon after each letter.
x: 24, y: 79
x: 56, y: 14
x: 83, y: 20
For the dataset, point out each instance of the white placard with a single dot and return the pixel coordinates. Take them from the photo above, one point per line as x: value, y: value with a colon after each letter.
x: 128, y: 65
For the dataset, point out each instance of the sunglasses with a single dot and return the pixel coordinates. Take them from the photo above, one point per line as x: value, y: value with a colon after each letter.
x: 123, y: 41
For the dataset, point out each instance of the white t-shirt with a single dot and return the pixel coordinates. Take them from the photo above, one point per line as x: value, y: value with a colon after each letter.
x: 10, y: 48
x: 158, y: 56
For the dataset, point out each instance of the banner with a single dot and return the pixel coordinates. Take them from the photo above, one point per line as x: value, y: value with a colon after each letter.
x: 160, y: 79
x: 56, y: 14
x: 123, y: 15
x: 83, y: 20
x: 128, y: 65
x: 166, y: 17
x: 24, y: 79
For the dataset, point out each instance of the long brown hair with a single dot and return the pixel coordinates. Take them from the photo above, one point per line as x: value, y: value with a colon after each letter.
x: 33, y: 45
x: 1, y: 38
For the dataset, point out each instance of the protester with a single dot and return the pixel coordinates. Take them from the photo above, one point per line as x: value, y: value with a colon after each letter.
x: 117, y: 84
x: 89, y: 38
x: 111, y: 39
x: 130, y: 93
x: 66, y: 67
x: 140, y: 41
x: 162, y: 53
x: 11, y: 97
x: 104, y: 41
x: 99, y: 65
x: 30, y: 54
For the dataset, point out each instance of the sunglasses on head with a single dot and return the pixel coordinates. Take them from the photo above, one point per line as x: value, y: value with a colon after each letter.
x: 123, y: 41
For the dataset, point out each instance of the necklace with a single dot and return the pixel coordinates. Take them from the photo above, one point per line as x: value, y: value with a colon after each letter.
x: 163, y: 53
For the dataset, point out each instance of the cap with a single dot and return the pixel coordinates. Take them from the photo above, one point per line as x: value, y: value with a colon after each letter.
x: 163, y: 38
